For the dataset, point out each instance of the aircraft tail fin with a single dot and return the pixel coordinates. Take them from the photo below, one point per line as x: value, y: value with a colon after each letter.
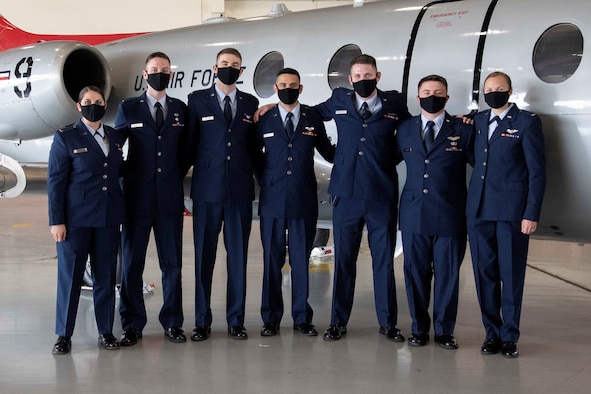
x: 12, y: 37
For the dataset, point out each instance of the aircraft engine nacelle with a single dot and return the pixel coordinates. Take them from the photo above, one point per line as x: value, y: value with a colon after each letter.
x: 40, y: 83
x: 12, y: 177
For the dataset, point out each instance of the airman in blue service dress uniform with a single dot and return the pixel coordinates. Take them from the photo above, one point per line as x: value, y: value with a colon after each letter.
x: 503, y: 208
x: 153, y: 124
x: 222, y: 147
x: 288, y: 200
x: 436, y: 149
x: 364, y: 190
x: 85, y: 215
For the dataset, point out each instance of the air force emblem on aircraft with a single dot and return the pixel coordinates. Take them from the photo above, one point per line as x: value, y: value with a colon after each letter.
x: 4, y: 77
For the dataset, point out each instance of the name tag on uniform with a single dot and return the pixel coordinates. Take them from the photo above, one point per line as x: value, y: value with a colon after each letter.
x: 81, y: 150
x: 268, y: 135
x: 136, y: 125
x: 206, y: 118
x: 340, y: 112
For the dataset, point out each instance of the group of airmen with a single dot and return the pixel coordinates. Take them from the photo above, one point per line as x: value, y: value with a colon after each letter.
x: 229, y: 141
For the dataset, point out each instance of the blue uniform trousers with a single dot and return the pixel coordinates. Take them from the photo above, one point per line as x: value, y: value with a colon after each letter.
x: 300, y: 238
x: 499, y: 256
x: 102, y: 244
x: 349, y: 217
x: 136, y: 236
x: 426, y: 257
x: 207, y: 224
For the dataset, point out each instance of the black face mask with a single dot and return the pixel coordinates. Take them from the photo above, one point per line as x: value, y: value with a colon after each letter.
x: 288, y: 96
x: 228, y: 75
x: 496, y: 99
x: 365, y: 87
x: 158, y: 81
x: 92, y: 112
x: 433, y: 104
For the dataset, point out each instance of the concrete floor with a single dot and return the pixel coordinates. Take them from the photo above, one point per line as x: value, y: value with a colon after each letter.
x: 554, y: 347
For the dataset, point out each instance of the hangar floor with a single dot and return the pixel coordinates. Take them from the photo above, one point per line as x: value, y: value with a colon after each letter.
x: 554, y: 348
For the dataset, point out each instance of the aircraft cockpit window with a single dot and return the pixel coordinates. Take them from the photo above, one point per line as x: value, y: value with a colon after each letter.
x: 558, y: 53
x: 266, y: 73
x: 339, y: 66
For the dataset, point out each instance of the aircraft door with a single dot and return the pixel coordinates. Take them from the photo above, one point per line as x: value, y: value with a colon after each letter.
x: 446, y: 36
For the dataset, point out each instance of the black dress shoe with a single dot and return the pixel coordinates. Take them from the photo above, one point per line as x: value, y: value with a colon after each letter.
x: 175, y: 334
x: 447, y: 341
x: 510, y: 350
x: 334, y: 332
x: 270, y: 329
x: 490, y: 346
x: 306, y: 329
x: 418, y: 339
x: 392, y: 333
x: 63, y: 345
x: 108, y: 342
x: 237, y: 332
x: 130, y: 337
x: 200, y: 333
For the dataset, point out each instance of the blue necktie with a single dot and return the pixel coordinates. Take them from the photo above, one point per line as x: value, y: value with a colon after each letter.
x: 103, y: 142
x: 492, y: 127
x: 289, y: 125
x: 429, y: 134
x: 364, y: 111
x: 227, y: 110
x: 159, y: 115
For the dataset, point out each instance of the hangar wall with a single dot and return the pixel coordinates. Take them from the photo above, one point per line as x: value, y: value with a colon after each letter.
x: 116, y: 16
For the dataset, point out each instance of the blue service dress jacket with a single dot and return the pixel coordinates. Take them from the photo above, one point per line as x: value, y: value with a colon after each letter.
x: 222, y: 157
x: 153, y: 176
x: 84, y: 194
x: 288, y: 182
x: 509, y: 174
x: 364, y: 163
x: 83, y: 185
x: 433, y: 201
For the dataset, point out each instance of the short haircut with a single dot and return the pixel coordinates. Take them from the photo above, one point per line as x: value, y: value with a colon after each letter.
x: 90, y: 88
x: 432, y: 78
x: 499, y: 74
x: 155, y: 55
x: 364, y: 59
x: 230, y: 51
x: 288, y: 70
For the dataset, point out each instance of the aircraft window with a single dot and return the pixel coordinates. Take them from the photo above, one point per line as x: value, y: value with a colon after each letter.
x: 339, y: 67
x: 558, y: 53
x: 266, y: 73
